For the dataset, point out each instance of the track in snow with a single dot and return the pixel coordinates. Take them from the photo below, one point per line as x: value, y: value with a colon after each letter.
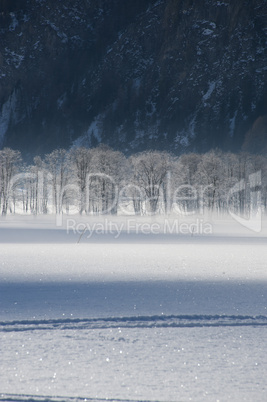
x: 40, y: 398
x: 157, y: 321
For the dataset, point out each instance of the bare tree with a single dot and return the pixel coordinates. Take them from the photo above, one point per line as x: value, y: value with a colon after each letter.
x: 107, y: 176
x: 185, y: 181
x: 58, y: 167
x: 150, y: 173
x: 81, y: 159
x: 9, y: 165
x: 209, y: 175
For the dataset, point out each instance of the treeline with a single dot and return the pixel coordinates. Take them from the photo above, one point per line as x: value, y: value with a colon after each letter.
x: 104, y: 181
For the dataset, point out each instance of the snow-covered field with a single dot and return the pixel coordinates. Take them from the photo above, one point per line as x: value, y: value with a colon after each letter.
x: 133, y: 317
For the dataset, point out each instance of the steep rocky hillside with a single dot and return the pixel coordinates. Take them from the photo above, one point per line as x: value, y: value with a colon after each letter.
x: 170, y: 74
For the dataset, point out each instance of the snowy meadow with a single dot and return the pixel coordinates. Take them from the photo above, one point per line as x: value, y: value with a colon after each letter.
x: 133, y: 279
x: 119, y: 309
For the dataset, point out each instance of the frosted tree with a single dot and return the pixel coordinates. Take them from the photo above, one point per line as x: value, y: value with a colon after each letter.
x: 9, y: 166
x: 81, y: 160
x: 230, y: 178
x: 150, y: 172
x: 210, y: 176
x: 100, y: 180
x: 241, y: 196
x: 257, y: 181
x: 185, y: 183
x: 109, y: 169
x: 36, y: 186
x: 59, y: 170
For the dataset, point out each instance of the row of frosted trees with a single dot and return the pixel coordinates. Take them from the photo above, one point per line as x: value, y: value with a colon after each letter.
x: 101, y: 181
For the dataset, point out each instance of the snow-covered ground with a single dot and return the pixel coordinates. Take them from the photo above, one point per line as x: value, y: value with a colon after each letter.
x: 129, y: 315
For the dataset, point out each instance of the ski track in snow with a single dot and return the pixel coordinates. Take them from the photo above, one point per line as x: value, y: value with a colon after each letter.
x: 35, y: 398
x: 172, y: 321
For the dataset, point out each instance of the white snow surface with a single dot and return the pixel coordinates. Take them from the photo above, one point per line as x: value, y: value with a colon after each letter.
x: 134, y: 317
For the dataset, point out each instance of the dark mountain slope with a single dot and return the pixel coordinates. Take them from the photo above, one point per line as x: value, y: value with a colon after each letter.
x: 170, y: 74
